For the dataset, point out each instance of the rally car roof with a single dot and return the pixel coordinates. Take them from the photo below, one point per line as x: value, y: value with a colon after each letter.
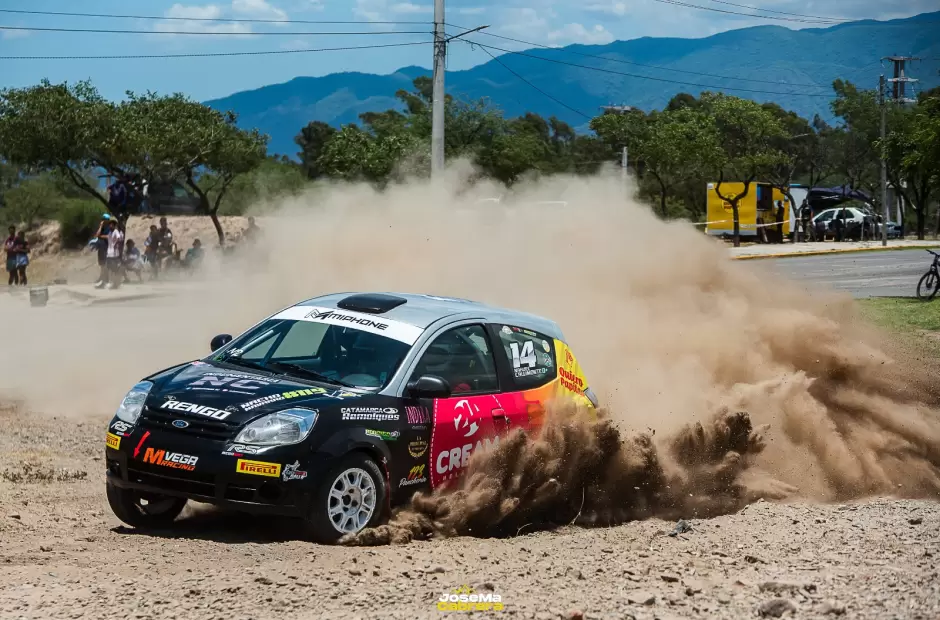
x: 423, y: 310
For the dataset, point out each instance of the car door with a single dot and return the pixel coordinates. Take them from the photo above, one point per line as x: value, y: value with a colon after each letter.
x: 472, y: 417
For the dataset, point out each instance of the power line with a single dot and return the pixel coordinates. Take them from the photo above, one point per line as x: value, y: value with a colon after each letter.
x: 210, y: 33
x: 757, y: 8
x: 644, y: 77
x: 200, y: 19
x: 214, y: 54
x: 639, y: 64
x: 561, y: 103
x: 728, y: 12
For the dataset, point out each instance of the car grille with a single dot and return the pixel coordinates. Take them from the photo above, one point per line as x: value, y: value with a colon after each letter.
x: 204, y: 428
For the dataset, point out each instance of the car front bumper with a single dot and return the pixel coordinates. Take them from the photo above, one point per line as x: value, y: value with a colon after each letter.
x: 215, y: 478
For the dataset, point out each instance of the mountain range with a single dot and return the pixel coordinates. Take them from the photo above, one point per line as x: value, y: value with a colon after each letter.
x: 794, y: 68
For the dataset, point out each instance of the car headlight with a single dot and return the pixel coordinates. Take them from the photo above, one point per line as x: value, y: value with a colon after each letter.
x: 133, y: 403
x: 280, y: 428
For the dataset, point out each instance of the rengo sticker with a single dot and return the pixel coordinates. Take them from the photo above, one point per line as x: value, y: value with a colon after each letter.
x: 258, y: 468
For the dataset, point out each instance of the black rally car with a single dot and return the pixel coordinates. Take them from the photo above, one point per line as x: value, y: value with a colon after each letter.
x: 325, y: 410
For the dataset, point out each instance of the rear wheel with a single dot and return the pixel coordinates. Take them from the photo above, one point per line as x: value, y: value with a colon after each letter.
x: 152, y: 512
x: 928, y: 286
x: 349, y: 499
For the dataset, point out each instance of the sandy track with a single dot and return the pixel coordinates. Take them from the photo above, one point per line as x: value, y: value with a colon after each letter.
x: 64, y: 555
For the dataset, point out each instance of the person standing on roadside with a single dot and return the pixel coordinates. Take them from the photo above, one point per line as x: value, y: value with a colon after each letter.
x: 8, y: 246
x: 151, y: 245
x: 115, y: 245
x: 101, y: 245
x: 21, y: 250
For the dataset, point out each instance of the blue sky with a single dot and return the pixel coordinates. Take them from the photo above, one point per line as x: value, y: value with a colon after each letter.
x: 549, y: 22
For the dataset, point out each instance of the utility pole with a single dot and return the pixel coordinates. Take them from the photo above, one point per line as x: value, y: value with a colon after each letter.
x: 898, y: 95
x: 437, y: 103
x: 437, y: 94
x: 884, y: 165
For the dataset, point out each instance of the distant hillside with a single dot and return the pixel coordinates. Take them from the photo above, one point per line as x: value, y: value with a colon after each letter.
x: 768, y: 53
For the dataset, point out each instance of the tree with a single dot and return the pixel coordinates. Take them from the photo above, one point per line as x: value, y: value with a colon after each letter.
x: 180, y: 139
x: 32, y: 201
x: 745, y: 132
x: 312, y: 139
x: 68, y: 128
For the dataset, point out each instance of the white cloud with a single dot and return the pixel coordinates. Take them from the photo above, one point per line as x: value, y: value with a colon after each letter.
x: 576, y: 33
x: 370, y: 10
x: 238, y: 9
x: 259, y: 9
x: 411, y: 8
x: 8, y: 35
x: 610, y: 7
x: 471, y: 10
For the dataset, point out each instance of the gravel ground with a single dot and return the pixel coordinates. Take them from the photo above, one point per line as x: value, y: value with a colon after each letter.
x: 64, y: 555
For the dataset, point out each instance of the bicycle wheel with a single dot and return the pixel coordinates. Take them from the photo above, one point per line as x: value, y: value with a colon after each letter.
x: 928, y: 286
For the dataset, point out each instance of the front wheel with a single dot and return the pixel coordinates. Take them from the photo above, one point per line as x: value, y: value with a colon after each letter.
x: 350, y: 498
x: 134, y: 510
x: 928, y: 286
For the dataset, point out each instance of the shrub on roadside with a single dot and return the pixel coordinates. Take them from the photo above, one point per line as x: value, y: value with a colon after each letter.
x: 78, y: 221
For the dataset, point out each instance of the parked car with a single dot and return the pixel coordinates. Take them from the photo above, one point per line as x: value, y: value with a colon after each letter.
x: 856, y: 223
x: 335, y: 409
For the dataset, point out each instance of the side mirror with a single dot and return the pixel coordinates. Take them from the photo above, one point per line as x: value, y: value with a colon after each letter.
x: 220, y: 341
x: 428, y: 386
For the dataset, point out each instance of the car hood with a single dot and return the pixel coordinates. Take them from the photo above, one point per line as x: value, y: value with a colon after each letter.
x: 203, y: 389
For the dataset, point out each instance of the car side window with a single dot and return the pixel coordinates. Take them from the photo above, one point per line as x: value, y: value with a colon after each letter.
x: 531, y: 356
x: 461, y: 356
x: 825, y: 216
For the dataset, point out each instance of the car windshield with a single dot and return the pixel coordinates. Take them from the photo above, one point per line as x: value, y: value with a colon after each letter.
x: 323, y: 352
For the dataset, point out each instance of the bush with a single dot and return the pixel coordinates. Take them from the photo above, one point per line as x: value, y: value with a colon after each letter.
x: 78, y: 221
x: 32, y: 201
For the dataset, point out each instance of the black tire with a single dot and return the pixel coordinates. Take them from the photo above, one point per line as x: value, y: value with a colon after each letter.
x: 353, y: 469
x: 156, y: 514
x: 928, y: 286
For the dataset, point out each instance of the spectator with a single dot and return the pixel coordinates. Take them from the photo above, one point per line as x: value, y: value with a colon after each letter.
x: 115, y: 240
x: 101, y: 244
x: 21, y: 251
x: 151, y: 247
x: 165, y: 246
x: 251, y: 233
x: 8, y: 245
x: 117, y: 195
x: 194, y: 255
x: 132, y: 261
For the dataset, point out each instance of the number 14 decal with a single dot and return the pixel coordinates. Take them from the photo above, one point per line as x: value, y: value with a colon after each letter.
x: 527, y: 356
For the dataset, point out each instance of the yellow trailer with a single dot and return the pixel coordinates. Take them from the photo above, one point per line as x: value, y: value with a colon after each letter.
x: 755, y: 211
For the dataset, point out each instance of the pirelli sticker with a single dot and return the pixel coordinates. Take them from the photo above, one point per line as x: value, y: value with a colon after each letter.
x: 113, y: 441
x: 258, y: 468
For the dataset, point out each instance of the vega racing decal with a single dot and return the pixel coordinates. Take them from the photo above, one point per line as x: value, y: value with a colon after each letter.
x: 210, y: 412
x: 292, y: 473
x: 174, y: 460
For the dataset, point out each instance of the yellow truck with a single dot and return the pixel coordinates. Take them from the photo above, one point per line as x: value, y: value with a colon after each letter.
x: 755, y: 211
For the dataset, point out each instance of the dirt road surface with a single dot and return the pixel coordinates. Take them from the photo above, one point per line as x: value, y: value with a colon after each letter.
x: 64, y: 555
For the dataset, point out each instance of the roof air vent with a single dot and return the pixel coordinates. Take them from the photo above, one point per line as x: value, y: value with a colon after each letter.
x: 371, y: 303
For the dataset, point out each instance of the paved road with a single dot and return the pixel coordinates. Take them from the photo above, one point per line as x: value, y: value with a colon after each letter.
x: 865, y: 274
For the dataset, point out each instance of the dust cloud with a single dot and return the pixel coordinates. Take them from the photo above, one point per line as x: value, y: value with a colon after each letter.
x: 669, y: 331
